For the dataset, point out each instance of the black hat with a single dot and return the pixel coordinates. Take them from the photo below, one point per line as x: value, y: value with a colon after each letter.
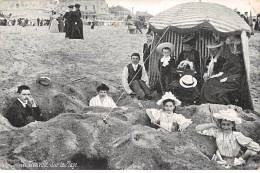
x: 102, y: 87
x: 77, y: 5
x: 189, y: 39
x: 71, y: 6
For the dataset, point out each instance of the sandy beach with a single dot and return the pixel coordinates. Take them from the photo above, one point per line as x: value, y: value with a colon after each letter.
x: 27, y: 52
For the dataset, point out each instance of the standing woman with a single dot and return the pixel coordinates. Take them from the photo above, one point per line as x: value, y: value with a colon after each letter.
x: 54, y: 23
x: 147, y: 49
x: 77, y: 27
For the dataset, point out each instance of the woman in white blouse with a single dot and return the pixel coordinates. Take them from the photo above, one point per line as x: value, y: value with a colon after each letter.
x: 102, y: 99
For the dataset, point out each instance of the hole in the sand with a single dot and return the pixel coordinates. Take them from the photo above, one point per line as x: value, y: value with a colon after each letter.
x: 84, y: 163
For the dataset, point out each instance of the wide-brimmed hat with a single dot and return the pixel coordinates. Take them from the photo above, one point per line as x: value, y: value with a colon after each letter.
x: 229, y: 114
x: 71, y: 6
x: 215, y: 45
x: 169, y: 95
x: 188, y: 81
x: 188, y: 38
x: 164, y: 45
x: 45, y: 81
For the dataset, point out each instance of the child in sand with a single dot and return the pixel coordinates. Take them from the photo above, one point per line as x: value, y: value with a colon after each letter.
x: 228, y: 140
x: 166, y: 117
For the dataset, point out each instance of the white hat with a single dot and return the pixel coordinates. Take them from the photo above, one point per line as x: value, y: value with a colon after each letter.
x: 45, y: 81
x: 169, y: 95
x: 188, y: 81
x: 233, y: 40
x: 163, y: 45
x: 229, y: 114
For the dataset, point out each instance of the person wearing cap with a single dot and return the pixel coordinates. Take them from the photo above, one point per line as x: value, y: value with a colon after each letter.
x: 215, y: 61
x: 77, y: 24
x: 166, y: 65
x: 147, y: 49
x: 166, y: 117
x: 135, y: 79
x: 217, y: 88
x: 68, y: 21
x: 24, y: 109
x: 102, y: 99
x: 229, y: 141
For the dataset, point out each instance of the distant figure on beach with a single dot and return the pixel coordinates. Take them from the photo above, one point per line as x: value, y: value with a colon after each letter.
x: 24, y: 109
x: 93, y: 24
x: 38, y: 21
x: 61, y: 23
x: 54, y: 23
x: 77, y: 24
x: 102, y: 99
x: 135, y: 79
x: 68, y: 21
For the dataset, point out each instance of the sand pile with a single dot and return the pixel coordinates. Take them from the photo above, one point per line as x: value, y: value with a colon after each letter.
x: 127, y: 141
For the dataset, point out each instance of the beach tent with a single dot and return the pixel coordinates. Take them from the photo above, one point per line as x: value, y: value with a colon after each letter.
x: 203, y: 19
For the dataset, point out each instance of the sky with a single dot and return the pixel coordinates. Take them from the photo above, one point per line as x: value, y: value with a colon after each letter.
x: 156, y: 6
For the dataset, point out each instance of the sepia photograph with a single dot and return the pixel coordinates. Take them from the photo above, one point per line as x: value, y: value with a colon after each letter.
x: 129, y: 85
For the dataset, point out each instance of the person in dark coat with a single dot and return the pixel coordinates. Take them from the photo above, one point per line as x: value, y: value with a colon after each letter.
x: 24, y: 109
x: 189, y: 58
x: 217, y: 88
x: 68, y: 21
x: 38, y: 21
x: 147, y: 49
x: 92, y: 24
x: 77, y: 24
x: 214, y: 62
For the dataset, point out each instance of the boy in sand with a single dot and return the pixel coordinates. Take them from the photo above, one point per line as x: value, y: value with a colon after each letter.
x: 135, y: 79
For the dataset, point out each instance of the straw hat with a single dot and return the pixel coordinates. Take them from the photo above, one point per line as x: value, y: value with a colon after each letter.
x: 215, y: 45
x: 188, y: 81
x: 163, y: 45
x: 45, y: 81
x: 169, y: 95
x: 229, y: 114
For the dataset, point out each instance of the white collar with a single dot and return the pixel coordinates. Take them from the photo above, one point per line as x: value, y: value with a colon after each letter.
x: 24, y: 104
x: 165, y: 60
x: 135, y: 66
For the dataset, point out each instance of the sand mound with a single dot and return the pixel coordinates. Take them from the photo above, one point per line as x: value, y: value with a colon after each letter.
x: 127, y: 141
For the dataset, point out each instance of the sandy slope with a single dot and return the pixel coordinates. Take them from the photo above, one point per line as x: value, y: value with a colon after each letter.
x: 29, y: 51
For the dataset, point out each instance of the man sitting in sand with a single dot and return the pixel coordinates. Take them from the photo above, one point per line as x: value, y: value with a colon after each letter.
x: 24, y: 110
x: 135, y: 79
x: 102, y: 99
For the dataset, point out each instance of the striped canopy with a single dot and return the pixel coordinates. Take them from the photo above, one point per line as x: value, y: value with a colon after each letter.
x: 200, y: 15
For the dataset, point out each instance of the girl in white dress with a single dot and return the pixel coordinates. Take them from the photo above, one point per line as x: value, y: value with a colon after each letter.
x: 228, y: 140
x: 54, y: 28
x: 166, y: 117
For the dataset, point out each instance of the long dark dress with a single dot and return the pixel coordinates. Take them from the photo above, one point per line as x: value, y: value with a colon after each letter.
x: 146, y: 53
x: 214, y: 91
x: 68, y: 24
x: 77, y: 26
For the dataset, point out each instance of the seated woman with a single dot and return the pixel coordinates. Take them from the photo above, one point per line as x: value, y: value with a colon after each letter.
x: 216, y: 89
x: 228, y: 140
x: 102, y: 99
x: 166, y: 117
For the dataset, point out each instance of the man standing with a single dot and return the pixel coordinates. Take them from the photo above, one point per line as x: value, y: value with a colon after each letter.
x: 68, y: 21
x: 135, y: 79
x: 24, y: 110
